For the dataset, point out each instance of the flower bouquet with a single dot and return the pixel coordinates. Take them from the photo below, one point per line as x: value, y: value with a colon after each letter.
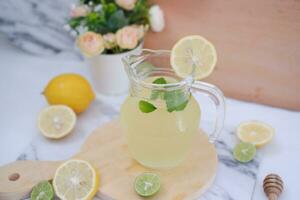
x: 107, y: 30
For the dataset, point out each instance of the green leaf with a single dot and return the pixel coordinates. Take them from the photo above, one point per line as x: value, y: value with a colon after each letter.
x: 75, y: 22
x: 110, y: 8
x: 176, y: 100
x: 140, y: 13
x: 161, y: 80
x: 95, y: 2
x: 117, y: 21
x: 156, y: 93
x: 146, y: 107
x: 96, y: 22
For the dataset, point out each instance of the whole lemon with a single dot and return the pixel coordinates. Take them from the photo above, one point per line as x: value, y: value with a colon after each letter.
x: 72, y: 90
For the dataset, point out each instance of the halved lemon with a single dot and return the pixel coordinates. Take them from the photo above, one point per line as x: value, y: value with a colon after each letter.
x: 56, y: 121
x: 76, y: 180
x: 193, y: 54
x: 255, y: 132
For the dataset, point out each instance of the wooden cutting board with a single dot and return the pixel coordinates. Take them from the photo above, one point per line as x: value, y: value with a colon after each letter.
x: 106, y: 149
x: 258, y: 45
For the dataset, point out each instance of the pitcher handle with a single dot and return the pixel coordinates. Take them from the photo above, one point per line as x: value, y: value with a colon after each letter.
x: 216, y: 95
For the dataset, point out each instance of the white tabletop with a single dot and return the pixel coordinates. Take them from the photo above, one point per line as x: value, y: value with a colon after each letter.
x: 23, y: 76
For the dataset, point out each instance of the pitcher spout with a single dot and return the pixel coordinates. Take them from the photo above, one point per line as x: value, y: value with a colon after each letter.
x: 138, y: 64
x: 129, y: 61
x: 132, y: 61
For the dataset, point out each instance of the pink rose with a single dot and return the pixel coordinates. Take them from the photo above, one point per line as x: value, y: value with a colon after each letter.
x: 109, y: 40
x: 79, y: 11
x: 126, y: 4
x: 127, y: 37
x: 90, y: 44
x: 140, y: 29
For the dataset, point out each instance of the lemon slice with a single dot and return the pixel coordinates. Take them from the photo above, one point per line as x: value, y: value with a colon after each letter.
x: 56, y: 121
x: 193, y: 52
x: 76, y: 179
x: 255, y: 132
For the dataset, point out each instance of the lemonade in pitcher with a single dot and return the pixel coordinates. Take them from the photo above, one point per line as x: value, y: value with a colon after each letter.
x: 160, y: 139
x: 161, y: 117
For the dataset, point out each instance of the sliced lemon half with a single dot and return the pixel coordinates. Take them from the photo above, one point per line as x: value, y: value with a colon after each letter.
x: 76, y: 180
x: 193, y: 54
x: 56, y: 121
x: 255, y: 132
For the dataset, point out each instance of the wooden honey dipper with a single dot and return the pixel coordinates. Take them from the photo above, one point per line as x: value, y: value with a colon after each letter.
x: 273, y: 186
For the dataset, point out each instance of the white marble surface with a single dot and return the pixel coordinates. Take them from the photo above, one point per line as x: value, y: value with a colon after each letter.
x: 36, y: 26
x: 23, y: 77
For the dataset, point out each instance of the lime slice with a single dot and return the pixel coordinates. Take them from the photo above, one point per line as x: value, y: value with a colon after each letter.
x: 147, y: 184
x: 255, y: 132
x: 193, y: 53
x: 42, y: 191
x: 244, y: 152
x: 56, y: 121
x: 76, y: 179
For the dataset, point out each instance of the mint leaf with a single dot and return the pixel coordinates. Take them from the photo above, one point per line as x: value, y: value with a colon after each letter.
x: 146, y: 107
x: 160, y: 81
x: 156, y: 93
x: 175, y: 100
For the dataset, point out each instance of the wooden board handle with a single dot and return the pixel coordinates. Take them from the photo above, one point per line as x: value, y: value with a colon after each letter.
x: 18, y: 178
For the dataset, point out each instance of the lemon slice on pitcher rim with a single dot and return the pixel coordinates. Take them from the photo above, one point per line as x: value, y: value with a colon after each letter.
x: 255, y: 132
x: 76, y: 179
x: 56, y: 121
x: 193, y: 54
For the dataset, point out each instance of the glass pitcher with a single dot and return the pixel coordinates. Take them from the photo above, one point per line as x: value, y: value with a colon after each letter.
x: 161, y: 117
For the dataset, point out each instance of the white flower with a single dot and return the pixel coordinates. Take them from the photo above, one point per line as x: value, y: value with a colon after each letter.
x: 126, y: 4
x: 73, y: 33
x: 109, y: 40
x: 98, y: 8
x: 67, y: 27
x: 79, y: 11
x: 90, y: 44
x: 82, y: 29
x: 157, y: 21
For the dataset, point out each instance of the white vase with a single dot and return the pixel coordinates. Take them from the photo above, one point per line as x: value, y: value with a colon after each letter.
x: 108, y: 72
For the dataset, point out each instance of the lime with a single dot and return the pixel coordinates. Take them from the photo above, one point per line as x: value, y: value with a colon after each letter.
x: 147, y: 184
x: 42, y: 191
x: 255, y: 132
x: 193, y: 54
x: 244, y: 152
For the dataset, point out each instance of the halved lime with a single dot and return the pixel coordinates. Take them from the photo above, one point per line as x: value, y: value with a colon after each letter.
x: 147, y: 184
x: 42, y: 191
x: 244, y: 152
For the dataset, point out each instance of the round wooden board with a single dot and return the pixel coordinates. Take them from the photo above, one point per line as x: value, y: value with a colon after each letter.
x: 106, y: 148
